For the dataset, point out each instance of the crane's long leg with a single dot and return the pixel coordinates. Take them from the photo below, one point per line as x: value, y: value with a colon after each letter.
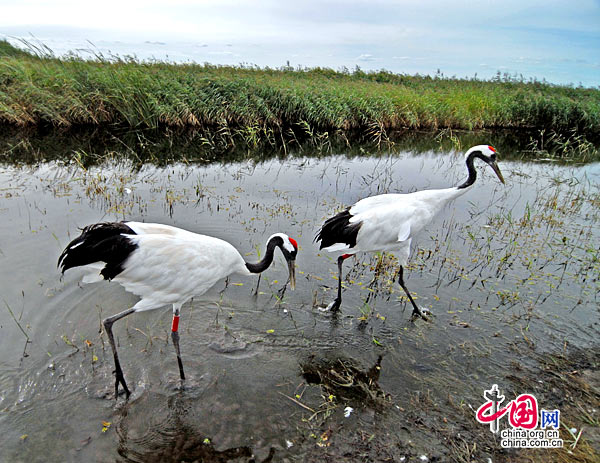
x: 108, y: 323
x: 257, y: 284
x: 335, y: 305
x: 416, y: 310
x: 175, y: 338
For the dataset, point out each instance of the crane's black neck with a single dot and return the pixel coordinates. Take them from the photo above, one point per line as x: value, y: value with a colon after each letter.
x: 266, y: 262
x: 471, y: 169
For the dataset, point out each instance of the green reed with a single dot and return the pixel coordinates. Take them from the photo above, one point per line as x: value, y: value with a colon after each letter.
x: 36, y: 88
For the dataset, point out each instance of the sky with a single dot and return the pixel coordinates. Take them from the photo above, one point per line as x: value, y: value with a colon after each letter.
x: 553, y: 40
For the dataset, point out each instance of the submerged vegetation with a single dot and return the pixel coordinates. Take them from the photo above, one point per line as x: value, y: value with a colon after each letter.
x: 38, y: 89
x: 512, y: 280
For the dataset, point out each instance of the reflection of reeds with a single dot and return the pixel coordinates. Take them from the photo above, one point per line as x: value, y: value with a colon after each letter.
x: 27, y: 339
x: 252, y: 103
x: 557, y: 145
x: 16, y: 321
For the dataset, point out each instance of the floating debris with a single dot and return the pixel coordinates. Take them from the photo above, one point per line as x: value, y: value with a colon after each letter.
x: 342, y: 380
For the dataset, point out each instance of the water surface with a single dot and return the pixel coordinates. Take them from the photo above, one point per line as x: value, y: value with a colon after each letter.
x: 508, y: 272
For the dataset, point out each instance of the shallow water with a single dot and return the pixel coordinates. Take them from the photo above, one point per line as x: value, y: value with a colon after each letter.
x: 504, y: 269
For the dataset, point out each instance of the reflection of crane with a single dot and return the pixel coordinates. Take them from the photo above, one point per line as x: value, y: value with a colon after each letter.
x: 388, y: 222
x: 163, y: 265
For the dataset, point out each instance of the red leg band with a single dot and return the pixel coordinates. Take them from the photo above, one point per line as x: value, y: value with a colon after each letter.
x: 345, y: 256
x: 175, y: 324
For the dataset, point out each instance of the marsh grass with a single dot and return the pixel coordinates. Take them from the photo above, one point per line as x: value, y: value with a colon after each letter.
x: 269, y: 105
x: 515, y: 246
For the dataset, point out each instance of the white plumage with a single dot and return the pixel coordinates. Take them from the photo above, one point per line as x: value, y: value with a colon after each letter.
x: 163, y: 265
x: 171, y: 269
x: 388, y: 222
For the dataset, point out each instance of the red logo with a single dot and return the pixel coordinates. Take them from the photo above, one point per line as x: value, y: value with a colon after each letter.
x: 522, y: 411
x: 523, y: 418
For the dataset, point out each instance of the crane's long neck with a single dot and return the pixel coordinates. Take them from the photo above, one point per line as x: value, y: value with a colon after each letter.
x: 472, y: 171
x: 266, y: 262
x: 450, y: 194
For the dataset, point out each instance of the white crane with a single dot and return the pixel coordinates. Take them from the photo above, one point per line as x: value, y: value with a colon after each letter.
x: 388, y: 222
x: 163, y: 265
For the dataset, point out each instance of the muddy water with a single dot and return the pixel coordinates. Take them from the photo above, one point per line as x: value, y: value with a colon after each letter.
x: 508, y: 271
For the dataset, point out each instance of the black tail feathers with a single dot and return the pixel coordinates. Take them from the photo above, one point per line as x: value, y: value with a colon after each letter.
x: 101, y: 242
x: 338, y: 229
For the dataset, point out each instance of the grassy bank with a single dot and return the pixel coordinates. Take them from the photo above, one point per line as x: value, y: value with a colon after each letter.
x: 38, y: 89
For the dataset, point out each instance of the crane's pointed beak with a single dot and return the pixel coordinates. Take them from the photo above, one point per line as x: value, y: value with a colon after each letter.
x: 292, y: 268
x: 496, y: 169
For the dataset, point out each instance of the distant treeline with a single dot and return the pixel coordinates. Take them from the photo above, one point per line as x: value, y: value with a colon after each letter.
x: 38, y: 89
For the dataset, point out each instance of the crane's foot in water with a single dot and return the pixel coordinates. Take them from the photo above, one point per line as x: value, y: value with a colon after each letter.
x: 119, y: 379
x: 281, y: 292
x: 334, y: 306
x: 420, y: 313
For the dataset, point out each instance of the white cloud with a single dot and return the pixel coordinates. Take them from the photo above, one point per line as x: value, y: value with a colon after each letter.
x: 365, y: 57
x: 453, y: 37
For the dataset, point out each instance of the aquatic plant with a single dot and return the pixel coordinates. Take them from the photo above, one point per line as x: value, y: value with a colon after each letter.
x: 38, y: 89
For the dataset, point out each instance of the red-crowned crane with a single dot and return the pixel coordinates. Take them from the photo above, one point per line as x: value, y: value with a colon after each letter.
x: 388, y: 222
x: 163, y: 265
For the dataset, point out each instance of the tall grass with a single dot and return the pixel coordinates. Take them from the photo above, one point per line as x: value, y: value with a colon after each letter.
x: 38, y: 89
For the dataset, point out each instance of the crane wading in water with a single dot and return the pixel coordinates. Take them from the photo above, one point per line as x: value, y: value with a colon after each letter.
x: 163, y: 265
x: 388, y: 222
